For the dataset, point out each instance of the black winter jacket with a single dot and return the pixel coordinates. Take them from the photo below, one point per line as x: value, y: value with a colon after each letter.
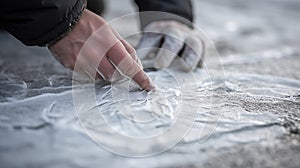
x: 43, y: 22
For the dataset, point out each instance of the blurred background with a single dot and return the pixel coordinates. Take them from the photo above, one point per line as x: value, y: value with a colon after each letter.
x: 39, y: 128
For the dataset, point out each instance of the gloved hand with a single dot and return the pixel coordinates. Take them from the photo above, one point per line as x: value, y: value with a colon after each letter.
x: 104, y: 46
x: 162, y: 41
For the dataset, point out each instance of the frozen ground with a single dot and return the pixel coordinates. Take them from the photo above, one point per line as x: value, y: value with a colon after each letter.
x: 247, y: 116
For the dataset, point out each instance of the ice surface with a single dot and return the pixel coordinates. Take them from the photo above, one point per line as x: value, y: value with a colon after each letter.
x: 246, y: 116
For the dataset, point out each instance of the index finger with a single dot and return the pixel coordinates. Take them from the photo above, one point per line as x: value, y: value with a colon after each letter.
x: 128, y: 66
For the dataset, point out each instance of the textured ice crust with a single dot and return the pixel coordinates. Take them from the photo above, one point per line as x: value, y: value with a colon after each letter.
x: 159, y: 102
x: 223, y: 107
x: 239, y: 109
x: 145, y: 113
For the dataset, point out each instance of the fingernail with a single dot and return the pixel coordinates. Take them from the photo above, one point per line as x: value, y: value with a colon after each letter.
x: 147, y: 84
x: 151, y: 86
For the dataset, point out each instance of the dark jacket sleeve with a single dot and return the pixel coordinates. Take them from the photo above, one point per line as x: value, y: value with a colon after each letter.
x: 40, y: 22
x: 181, y: 8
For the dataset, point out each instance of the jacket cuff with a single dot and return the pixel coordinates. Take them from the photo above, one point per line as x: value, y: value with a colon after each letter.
x: 67, y: 25
x: 158, y: 10
x: 63, y: 27
x: 151, y: 16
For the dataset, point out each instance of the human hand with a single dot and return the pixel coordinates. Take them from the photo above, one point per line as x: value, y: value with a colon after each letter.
x: 104, y: 51
x: 162, y: 41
